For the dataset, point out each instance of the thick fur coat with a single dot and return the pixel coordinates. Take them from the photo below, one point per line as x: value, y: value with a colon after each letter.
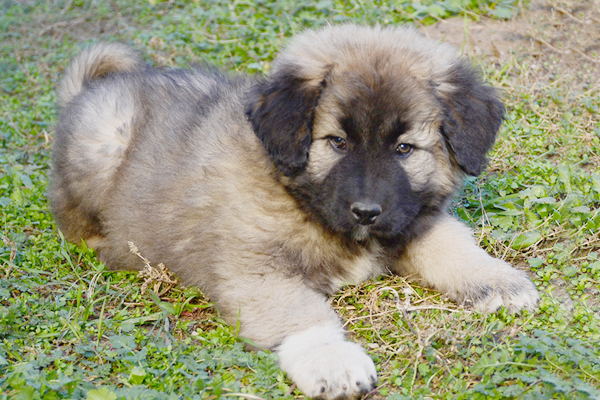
x: 270, y: 193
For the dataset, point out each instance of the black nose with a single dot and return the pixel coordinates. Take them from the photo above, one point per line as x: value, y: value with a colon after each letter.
x: 365, y: 213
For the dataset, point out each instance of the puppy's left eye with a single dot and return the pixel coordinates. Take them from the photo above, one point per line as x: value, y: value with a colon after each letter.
x: 404, y: 149
x: 338, y: 143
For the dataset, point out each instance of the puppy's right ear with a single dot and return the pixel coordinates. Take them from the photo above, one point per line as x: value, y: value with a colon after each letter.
x: 281, y: 110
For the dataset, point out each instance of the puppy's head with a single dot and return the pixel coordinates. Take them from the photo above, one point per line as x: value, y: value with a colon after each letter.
x: 372, y: 127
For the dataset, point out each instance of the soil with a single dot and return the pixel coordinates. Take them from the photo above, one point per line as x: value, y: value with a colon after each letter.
x: 558, y: 38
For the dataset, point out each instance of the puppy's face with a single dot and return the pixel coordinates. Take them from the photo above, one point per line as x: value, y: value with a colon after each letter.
x: 368, y: 138
x: 377, y: 157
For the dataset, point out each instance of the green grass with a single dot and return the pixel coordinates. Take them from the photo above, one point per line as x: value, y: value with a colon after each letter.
x: 71, y: 329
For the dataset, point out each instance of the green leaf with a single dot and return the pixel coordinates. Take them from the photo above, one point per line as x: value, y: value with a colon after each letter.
x: 503, y: 12
x: 544, y: 200
x: 26, y: 180
x: 580, y: 209
x: 137, y: 375
x: 26, y: 393
x: 570, y: 271
x: 512, y: 391
x: 564, y: 175
x: 101, y: 394
x: 558, y: 384
x: 437, y: 10
x: 526, y: 239
x: 535, y: 262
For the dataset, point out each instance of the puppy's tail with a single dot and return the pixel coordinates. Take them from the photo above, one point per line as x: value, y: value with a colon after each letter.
x: 94, y: 63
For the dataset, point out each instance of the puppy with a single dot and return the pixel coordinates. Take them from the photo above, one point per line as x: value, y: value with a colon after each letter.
x: 270, y: 193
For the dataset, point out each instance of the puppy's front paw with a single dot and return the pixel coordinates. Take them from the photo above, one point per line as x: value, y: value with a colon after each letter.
x: 325, y: 366
x: 505, y: 286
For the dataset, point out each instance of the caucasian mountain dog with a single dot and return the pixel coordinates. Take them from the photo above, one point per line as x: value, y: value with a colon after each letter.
x: 270, y: 193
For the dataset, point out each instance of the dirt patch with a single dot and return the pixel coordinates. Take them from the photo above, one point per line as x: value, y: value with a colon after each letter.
x: 557, y: 38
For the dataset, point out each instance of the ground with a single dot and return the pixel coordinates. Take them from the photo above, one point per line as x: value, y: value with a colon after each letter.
x: 71, y: 329
x: 559, y: 38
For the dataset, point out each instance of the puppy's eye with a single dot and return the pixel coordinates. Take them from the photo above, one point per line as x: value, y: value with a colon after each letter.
x: 338, y: 143
x: 404, y: 149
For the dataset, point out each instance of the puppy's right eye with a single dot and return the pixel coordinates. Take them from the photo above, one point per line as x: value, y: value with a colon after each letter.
x: 404, y: 149
x: 338, y: 143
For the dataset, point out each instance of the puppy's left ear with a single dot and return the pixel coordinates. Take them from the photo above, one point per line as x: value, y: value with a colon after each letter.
x: 281, y: 110
x: 473, y: 114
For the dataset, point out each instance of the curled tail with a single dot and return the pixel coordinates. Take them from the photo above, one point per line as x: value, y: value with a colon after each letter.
x: 96, y: 62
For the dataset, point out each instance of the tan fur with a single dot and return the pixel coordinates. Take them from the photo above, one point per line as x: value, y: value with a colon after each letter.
x: 447, y: 258
x: 103, y: 59
x: 170, y: 161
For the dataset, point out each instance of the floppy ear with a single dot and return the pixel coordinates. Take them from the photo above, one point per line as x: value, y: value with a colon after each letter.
x: 472, y: 116
x: 281, y: 110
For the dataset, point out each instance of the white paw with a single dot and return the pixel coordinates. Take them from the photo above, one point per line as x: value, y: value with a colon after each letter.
x: 325, y: 366
x: 509, y: 287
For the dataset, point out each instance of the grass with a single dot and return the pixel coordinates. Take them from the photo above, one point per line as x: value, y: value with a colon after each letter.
x: 69, y: 328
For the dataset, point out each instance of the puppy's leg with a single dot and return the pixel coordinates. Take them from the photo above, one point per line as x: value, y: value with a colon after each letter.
x: 447, y: 258
x: 282, y: 313
x: 324, y: 365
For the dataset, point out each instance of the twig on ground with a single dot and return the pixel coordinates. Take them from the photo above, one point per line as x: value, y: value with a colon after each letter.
x: 157, y: 276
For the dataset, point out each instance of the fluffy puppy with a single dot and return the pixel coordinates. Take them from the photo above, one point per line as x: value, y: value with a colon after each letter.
x: 270, y: 193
